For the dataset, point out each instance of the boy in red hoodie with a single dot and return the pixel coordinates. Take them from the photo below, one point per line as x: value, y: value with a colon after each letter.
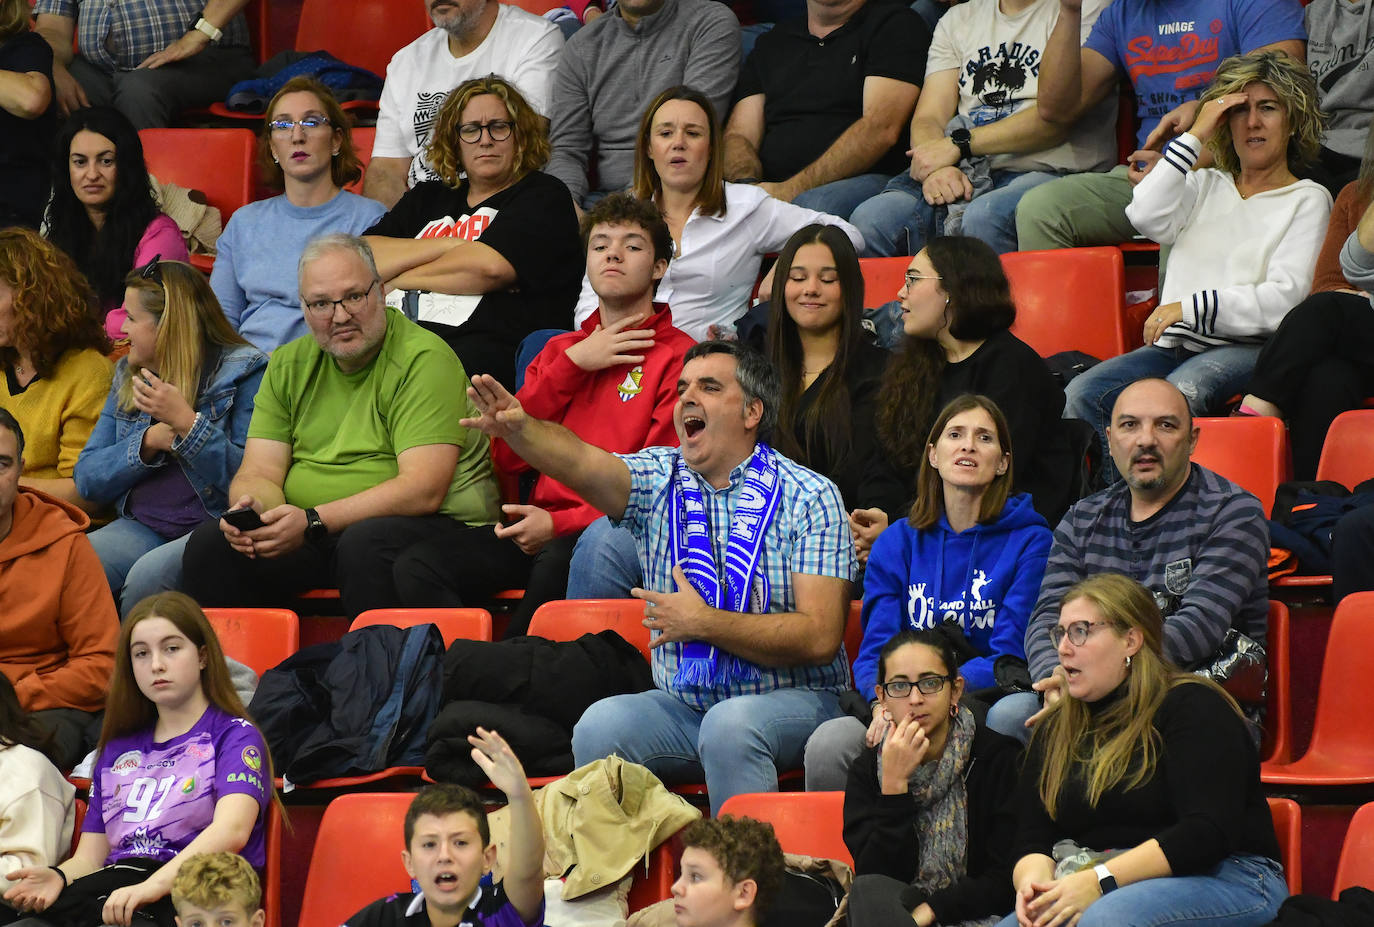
x: 613, y: 383
x: 58, y: 622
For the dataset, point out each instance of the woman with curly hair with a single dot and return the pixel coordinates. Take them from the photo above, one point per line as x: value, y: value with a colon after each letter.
x: 1140, y: 800
x: 957, y: 314
x: 172, y: 432
x: 1245, y: 233
x: 490, y: 253
x: 307, y: 150
x: 106, y: 216
x: 52, y: 350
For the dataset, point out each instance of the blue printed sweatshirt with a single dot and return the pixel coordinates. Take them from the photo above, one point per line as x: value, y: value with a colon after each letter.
x: 986, y: 578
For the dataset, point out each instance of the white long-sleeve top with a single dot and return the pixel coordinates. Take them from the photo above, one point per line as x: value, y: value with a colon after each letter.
x: 36, y: 810
x: 1237, y: 265
x: 709, y: 281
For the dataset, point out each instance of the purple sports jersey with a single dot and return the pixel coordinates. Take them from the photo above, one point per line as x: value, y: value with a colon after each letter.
x: 155, y: 798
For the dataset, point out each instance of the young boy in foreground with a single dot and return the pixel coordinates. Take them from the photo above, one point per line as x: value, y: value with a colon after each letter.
x: 731, y: 872
x: 217, y: 890
x: 448, y: 850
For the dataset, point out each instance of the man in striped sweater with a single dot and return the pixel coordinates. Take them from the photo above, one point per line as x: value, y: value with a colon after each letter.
x: 1195, y: 539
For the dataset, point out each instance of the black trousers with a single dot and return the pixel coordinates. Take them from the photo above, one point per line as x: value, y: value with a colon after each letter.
x: 358, y: 560
x: 469, y: 568
x: 1318, y: 364
x: 1352, y: 552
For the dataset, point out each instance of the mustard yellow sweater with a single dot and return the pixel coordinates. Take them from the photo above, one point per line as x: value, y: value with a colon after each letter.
x: 58, y: 412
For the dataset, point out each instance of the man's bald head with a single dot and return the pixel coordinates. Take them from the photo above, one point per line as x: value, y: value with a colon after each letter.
x: 1152, y: 437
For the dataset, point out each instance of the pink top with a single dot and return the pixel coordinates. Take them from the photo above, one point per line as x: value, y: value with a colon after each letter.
x: 161, y: 237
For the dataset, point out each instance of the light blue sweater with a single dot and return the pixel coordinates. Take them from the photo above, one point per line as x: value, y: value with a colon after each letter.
x: 255, y: 268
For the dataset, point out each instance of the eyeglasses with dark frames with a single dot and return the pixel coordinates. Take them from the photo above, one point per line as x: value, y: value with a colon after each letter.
x: 498, y: 129
x: 1077, y: 633
x: 352, y: 303
x: 926, y: 685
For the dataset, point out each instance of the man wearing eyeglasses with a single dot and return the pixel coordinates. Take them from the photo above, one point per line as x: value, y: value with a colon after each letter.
x: 354, y: 452
x: 747, y: 562
x: 470, y: 38
x: 1192, y: 537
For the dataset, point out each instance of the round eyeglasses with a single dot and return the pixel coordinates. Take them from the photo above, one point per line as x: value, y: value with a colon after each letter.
x: 498, y: 129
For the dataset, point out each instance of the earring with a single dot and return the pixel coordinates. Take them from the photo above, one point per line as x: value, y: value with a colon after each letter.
x: 336, y: 154
x: 1128, y: 661
x: 954, y: 710
x: 274, y: 160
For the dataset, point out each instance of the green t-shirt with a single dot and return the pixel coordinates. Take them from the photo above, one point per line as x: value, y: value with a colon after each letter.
x: 346, y: 429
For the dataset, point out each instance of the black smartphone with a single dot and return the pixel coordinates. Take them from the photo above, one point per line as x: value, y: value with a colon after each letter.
x: 243, y: 519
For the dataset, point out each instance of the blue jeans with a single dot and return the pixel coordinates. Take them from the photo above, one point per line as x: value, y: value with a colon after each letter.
x: 899, y: 221
x: 1207, y: 380
x: 1241, y: 891
x: 1008, y: 715
x: 842, y: 197
x: 138, y: 561
x: 738, y: 745
x: 605, y: 563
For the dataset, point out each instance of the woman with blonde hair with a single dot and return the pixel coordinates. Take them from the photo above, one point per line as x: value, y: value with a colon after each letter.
x: 721, y: 231
x: 1245, y: 237
x: 490, y: 253
x: 172, y: 432
x: 1140, y: 802
x: 181, y: 769
x: 28, y: 116
x: 306, y: 149
x: 52, y: 351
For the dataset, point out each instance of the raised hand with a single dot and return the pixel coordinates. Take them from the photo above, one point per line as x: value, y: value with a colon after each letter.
x: 498, y: 762
x: 500, y: 413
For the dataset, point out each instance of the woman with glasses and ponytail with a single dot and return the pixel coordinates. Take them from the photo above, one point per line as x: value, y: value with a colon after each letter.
x: 172, y: 432
x: 490, y: 253
x: 1140, y: 802
x: 306, y: 149
x: 928, y: 811
x: 968, y: 560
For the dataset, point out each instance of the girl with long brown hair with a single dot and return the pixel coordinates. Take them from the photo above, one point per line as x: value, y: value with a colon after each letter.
x: 181, y: 769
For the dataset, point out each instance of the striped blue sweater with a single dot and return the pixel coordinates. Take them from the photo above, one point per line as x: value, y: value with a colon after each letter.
x: 1204, y: 556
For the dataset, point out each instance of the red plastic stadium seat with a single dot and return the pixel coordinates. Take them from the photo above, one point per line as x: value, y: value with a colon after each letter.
x: 1348, y: 451
x: 217, y: 162
x: 1073, y: 299
x: 1356, y: 865
x: 357, y: 857
x: 1288, y: 828
x: 567, y: 620
x: 811, y: 823
x: 473, y: 624
x: 259, y: 638
x: 1342, y: 747
x: 1249, y: 450
x: 1277, y: 742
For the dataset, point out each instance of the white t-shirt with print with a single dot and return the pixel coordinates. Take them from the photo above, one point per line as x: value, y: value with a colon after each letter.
x: 521, y: 47
x: 998, y: 60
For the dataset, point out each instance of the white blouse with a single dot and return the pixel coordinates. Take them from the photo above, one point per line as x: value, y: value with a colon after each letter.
x: 709, y: 281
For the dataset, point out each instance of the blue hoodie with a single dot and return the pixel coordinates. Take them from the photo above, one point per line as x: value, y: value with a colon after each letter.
x: 987, y: 578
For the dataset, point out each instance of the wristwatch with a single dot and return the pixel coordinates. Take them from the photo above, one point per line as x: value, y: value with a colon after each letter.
x: 315, y: 529
x: 962, y: 138
x: 207, y: 28
x: 1105, y: 880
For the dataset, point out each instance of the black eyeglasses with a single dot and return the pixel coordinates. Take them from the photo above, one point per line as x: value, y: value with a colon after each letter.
x: 352, y: 302
x: 926, y: 685
x: 498, y: 129
x: 152, y: 271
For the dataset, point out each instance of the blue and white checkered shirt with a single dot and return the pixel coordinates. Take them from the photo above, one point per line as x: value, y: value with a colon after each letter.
x: 116, y: 35
x: 809, y: 534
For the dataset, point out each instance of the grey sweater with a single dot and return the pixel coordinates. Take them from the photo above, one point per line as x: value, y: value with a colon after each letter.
x: 1358, y: 264
x: 1205, y: 554
x: 1340, y: 52
x: 610, y: 71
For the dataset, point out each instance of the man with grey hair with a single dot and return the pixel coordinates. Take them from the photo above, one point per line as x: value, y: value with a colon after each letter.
x: 470, y: 38
x: 747, y: 560
x: 354, y: 451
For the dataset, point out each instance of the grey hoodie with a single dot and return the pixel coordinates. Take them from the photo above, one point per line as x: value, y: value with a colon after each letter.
x: 1358, y: 264
x: 1341, y: 56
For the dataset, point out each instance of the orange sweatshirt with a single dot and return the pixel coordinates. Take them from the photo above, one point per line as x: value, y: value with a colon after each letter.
x: 58, y: 623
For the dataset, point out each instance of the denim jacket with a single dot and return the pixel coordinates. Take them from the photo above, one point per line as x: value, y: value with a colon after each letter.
x: 210, y: 454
